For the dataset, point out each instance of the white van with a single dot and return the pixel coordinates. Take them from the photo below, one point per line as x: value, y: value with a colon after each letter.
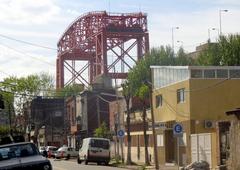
x: 94, y: 150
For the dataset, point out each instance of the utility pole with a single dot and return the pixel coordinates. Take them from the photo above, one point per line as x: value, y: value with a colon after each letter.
x: 118, y: 122
x: 98, y: 111
x: 10, y: 118
x: 150, y: 85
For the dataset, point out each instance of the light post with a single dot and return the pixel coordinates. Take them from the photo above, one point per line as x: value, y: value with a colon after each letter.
x: 220, y: 19
x: 178, y: 41
x: 149, y: 84
x: 173, y: 28
x: 209, y: 37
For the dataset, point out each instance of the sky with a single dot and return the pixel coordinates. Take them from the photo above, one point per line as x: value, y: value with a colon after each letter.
x: 43, y: 22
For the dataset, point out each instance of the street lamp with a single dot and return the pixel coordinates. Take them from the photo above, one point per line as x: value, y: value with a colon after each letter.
x: 209, y: 37
x: 220, y: 19
x: 178, y: 41
x: 173, y: 28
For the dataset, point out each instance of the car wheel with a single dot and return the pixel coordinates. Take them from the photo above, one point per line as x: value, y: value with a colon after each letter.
x: 106, y: 163
x: 78, y: 160
x: 85, y: 160
x: 68, y: 157
x: 99, y: 163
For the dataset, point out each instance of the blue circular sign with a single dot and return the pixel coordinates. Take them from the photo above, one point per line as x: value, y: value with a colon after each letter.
x: 121, y: 133
x: 178, y: 128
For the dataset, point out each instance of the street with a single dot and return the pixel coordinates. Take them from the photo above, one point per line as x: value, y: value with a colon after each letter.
x: 73, y: 165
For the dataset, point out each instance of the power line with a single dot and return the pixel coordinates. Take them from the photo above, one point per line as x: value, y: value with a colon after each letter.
x: 28, y: 43
x: 26, y: 54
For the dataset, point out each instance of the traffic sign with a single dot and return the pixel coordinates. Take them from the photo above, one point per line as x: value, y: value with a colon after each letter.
x: 121, y: 133
x: 178, y: 130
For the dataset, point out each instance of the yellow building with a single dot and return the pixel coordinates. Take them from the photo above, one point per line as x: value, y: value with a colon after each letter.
x: 198, y: 98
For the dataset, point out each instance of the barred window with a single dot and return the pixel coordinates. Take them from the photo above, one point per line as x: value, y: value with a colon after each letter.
x: 158, y: 100
x: 180, y: 95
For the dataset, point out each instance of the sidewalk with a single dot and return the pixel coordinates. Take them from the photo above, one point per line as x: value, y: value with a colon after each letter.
x: 140, y: 166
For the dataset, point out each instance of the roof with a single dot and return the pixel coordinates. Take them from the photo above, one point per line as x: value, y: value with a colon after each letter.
x: 197, y: 67
x: 14, y: 144
x: 235, y: 112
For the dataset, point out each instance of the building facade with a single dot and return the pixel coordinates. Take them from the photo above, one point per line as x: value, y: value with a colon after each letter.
x: 196, y: 97
x: 48, y: 114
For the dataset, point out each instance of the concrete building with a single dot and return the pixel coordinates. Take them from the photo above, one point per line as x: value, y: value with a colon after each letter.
x: 196, y: 97
x: 49, y: 114
x: 74, y: 116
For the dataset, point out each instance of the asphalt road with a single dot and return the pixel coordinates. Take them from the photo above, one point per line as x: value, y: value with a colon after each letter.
x: 73, y: 165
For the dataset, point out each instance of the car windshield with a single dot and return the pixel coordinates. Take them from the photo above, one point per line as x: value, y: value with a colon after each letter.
x: 53, y: 149
x: 99, y: 143
x: 18, y: 150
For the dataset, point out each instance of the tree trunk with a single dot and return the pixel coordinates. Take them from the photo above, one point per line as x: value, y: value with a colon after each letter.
x: 129, y: 160
x: 145, y: 136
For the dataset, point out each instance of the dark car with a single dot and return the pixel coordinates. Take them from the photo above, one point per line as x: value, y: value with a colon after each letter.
x: 22, y: 156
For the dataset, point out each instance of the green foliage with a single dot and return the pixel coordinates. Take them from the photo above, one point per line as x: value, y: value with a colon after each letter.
x: 230, y: 49
x: 157, y: 56
x: 210, y: 56
x: 225, y: 52
x: 127, y: 91
x: 4, y: 130
x: 102, y: 131
x: 71, y: 90
x: 23, y: 89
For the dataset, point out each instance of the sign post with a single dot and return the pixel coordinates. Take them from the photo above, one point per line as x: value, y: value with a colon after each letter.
x: 178, y: 132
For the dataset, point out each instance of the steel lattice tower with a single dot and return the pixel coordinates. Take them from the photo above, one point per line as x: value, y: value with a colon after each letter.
x: 91, y: 36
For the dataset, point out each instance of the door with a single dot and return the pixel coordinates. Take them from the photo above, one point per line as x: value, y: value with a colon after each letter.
x: 169, y: 146
x: 201, y: 148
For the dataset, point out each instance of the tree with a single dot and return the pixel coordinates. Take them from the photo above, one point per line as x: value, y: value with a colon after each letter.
x: 230, y: 50
x: 210, y: 56
x: 102, y: 131
x: 18, y: 91
x: 141, y: 73
x: 225, y: 52
x: 70, y: 90
x: 127, y: 93
x: 4, y: 130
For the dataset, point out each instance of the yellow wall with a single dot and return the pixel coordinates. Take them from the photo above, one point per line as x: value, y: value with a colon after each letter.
x: 205, y: 99
x: 210, y: 99
x: 170, y: 109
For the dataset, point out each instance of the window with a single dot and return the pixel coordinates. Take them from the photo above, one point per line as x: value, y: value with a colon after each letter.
x: 196, y: 73
x: 222, y: 73
x: 234, y: 73
x: 209, y: 73
x: 160, y: 141
x: 180, y: 95
x: 158, y: 100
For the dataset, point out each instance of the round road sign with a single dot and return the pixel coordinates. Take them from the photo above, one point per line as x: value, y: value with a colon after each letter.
x: 121, y: 133
x: 177, y: 129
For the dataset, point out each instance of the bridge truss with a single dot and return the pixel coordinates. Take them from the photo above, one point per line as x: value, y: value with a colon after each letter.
x: 94, y: 35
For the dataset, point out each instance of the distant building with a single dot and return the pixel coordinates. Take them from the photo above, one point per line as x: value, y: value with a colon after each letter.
x: 49, y: 114
x: 197, y: 97
x: 199, y: 49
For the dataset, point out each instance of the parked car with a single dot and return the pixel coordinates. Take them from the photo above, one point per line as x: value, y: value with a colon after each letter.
x: 24, y: 155
x: 41, y: 149
x: 51, y: 150
x: 94, y: 150
x: 66, y: 152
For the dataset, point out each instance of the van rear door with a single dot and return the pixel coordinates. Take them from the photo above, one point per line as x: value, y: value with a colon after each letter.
x: 99, y: 148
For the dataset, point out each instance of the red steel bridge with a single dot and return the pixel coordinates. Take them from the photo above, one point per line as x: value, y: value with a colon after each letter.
x: 91, y: 37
